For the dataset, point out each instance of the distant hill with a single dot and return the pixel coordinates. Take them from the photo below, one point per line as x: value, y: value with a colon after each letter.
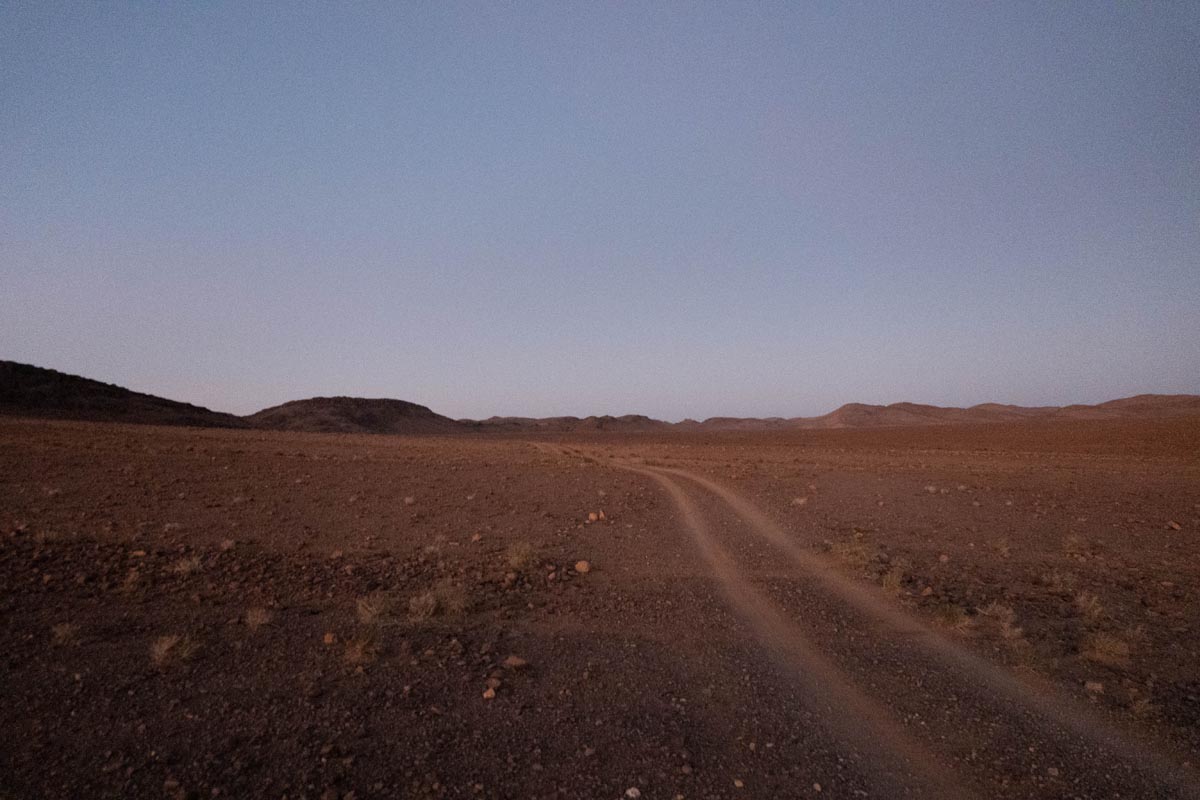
x: 626, y: 423
x: 30, y: 391
x: 353, y: 415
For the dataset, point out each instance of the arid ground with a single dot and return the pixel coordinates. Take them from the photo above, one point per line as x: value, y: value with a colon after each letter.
x: 955, y: 612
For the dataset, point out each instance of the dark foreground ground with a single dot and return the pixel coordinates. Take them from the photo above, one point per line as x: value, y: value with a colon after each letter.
x: 944, y: 612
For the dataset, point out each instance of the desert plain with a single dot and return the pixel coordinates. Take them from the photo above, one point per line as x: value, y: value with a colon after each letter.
x: 982, y: 611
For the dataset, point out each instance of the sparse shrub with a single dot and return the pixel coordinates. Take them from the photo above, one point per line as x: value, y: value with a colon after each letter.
x: 64, y: 634
x: 172, y: 649
x: 519, y: 554
x: 257, y: 617
x: 423, y: 606
x: 373, y: 608
x: 1107, y: 648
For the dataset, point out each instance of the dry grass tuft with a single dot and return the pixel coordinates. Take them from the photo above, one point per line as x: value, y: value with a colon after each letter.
x: 374, y: 608
x: 893, y: 580
x: 64, y: 634
x: 173, y: 649
x: 852, y: 552
x: 1060, y: 582
x: 186, y: 566
x: 423, y: 606
x: 953, y: 617
x: 519, y: 554
x: 1107, y: 648
x: 1075, y: 545
x: 258, y: 617
x: 1004, y: 618
x: 363, y: 648
x: 1089, y: 606
x: 452, y: 598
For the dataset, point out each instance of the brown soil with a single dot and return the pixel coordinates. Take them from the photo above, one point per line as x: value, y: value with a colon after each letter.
x: 977, y: 611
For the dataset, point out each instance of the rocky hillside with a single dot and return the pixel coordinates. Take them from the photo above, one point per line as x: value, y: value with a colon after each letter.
x: 29, y: 391
x: 354, y: 415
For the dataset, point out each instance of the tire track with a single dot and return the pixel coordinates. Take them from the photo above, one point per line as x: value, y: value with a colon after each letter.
x: 1035, y: 696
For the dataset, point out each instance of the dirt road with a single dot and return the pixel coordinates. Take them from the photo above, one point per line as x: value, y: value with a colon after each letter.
x: 983, y: 709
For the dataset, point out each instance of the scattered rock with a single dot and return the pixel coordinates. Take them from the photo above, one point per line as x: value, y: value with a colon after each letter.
x: 515, y: 662
x: 1093, y: 687
x: 489, y: 693
x: 1173, y: 525
x: 593, y: 516
x: 583, y: 567
x: 330, y: 638
x: 633, y: 793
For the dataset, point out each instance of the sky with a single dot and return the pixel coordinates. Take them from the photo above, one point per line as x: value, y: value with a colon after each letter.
x: 676, y: 209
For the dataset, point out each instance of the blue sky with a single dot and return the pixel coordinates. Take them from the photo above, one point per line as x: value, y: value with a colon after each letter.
x: 663, y: 208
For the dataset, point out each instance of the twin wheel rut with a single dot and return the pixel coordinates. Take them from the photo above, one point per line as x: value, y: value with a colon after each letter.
x: 936, y: 719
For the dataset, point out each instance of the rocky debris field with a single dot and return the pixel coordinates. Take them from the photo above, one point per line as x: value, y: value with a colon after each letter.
x: 220, y: 613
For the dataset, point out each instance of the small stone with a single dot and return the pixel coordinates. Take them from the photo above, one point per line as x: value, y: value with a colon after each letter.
x: 475, y: 537
x: 800, y: 501
x: 408, y: 501
x: 1093, y: 687
x: 943, y: 558
x: 515, y: 662
x: 633, y: 793
x: 816, y: 787
x: 593, y: 517
x: 601, y: 516
x: 1173, y: 525
x: 489, y: 693
x: 1052, y: 771
x: 737, y: 782
x: 927, y: 591
x: 583, y: 567
x: 330, y: 638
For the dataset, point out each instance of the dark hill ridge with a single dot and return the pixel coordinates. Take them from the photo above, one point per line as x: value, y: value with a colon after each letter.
x: 353, y: 415
x: 30, y: 391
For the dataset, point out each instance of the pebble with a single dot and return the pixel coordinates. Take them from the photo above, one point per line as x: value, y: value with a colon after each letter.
x: 583, y: 567
x: 515, y: 662
x: 633, y: 793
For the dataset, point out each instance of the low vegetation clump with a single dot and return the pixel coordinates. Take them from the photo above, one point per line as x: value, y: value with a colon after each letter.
x: 452, y: 598
x: 1107, y: 648
x: 519, y: 554
x: 374, y: 608
x: 65, y: 634
x: 186, y: 566
x: 258, y: 617
x: 363, y: 648
x: 423, y: 606
x: 172, y: 649
x: 1089, y: 606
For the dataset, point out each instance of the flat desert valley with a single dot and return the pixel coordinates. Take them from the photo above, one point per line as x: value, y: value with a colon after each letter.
x: 1003, y: 610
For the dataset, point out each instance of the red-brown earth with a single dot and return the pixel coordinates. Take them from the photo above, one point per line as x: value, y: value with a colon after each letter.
x: 955, y: 611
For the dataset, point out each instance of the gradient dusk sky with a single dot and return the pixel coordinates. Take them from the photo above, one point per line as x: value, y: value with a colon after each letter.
x: 677, y: 209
